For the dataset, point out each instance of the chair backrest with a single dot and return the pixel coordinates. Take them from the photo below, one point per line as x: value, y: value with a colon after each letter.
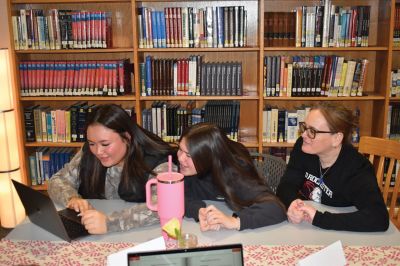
x: 270, y: 167
x: 379, y: 150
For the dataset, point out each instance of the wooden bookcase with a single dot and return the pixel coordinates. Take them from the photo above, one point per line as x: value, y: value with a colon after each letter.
x: 380, y: 52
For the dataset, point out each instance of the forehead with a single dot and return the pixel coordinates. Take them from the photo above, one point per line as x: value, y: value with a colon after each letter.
x: 97, y: 132
x: 183, y: 145
x: 316, y: 120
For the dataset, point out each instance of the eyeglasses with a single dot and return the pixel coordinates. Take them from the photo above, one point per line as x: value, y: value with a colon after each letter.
x: 311, y: 132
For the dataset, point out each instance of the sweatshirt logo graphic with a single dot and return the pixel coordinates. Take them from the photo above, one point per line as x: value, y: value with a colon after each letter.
x: 313, y: 188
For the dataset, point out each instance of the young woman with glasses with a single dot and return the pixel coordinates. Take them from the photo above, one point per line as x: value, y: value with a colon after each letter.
x: 325, y: 167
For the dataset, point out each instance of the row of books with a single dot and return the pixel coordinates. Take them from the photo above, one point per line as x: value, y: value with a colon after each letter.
x: 64, y: 125
x: 75, y: 78
x: 169, y: 120
x: 61, y: 29
x: 395, y: 87
x: 45, y: 162
x: 281, y: 125
x: 396, y: 32
x: 321, y: 75
x: 393, y: 124
x: 212, y: 26
x: 190, y: 76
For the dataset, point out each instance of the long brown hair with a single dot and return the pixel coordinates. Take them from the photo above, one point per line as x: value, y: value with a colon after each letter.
x: 227, y: 161
x: 144, y: 151
x: 339, y: 118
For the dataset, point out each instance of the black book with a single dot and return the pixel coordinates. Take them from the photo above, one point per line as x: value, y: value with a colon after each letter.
x: 29, y: 123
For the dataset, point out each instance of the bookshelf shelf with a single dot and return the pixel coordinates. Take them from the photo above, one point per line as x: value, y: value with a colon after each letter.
x: 199, y: 98
x: 356, y: 98
x: 54, y: 144
x: 77, y: 51
x: 66, y: 1
x: 193, y: 50
x: 81, y: 98
x: 277, y: 145
x: 394, y: 99
x: 40, y: 187
x: 326, y: 49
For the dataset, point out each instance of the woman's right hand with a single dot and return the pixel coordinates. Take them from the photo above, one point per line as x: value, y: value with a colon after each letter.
x: 295, y: 215
x: 79, y: 204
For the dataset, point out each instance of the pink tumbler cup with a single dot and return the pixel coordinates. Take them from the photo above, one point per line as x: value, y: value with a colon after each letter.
x: 170, y: 197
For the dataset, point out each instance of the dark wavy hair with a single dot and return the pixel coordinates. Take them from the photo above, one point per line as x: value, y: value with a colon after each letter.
x: 145, y: 150
x: 227, y: 161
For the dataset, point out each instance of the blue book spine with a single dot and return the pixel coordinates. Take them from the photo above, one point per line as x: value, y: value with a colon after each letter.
x: 220, y: 26
x: 163, y: 33
x: 148, y: 76
x: 154, y: 26
x: 158, y: 29
x: 49, y: 127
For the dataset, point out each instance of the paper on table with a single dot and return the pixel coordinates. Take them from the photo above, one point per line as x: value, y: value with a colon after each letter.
x: 121, y: 257
x: 331, y: 255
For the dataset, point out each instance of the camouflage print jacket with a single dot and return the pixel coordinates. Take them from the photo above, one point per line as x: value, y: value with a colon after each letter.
x: 65, y: 183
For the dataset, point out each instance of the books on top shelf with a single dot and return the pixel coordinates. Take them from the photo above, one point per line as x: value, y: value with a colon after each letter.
x: 326, y: 25
x: 190, y: 76
x: 55, y: 29
x: 176, y: 27
x: 168, y: 120
x: 76, y: 78
x: 320, y: 75
x: 63, y: 125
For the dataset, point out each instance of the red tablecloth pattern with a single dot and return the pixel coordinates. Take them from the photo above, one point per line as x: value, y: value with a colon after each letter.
x: 95, y: 253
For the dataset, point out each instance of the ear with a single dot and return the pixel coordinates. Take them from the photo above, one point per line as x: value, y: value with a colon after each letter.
x: 126, y: 134
x: 337, y: 139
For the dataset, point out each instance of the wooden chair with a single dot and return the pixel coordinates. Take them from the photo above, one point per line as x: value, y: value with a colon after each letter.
x: 378, y: 150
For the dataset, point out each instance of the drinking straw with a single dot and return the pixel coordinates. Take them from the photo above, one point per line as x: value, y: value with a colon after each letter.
x: 170, y: 165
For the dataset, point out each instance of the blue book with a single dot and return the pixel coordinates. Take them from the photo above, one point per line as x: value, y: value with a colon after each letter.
x: 49, y: 127
x: 220, y: 26
x: 148, y: 76
x: 162, y: 28
x: 154, y: 26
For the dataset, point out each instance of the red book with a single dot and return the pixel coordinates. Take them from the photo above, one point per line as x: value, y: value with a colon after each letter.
x: 83, y: 28
x: 167, y: 26
x: 96, y: 31
x: 103, y: 30
x: 75, y: 87
x: 88, y: 29
x: 51, y: 78
x: 79, y: 30
x: 173, y: 29
x: 101, y: 77
x: 114, y: 78
x: 179, y: 27
x: 97, y: 78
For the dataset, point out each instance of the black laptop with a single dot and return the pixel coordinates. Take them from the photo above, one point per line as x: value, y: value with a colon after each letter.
x: 65, y: 224
x: 222, y: 255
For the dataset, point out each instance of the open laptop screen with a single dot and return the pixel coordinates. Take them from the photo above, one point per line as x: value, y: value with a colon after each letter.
x: 223, y: 255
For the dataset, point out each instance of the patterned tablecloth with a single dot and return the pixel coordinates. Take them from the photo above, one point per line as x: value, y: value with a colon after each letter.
x: 95, y: 253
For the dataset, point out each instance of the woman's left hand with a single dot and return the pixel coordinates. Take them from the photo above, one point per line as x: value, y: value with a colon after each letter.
x: 215, y: 217
x: 309, y: 212
x: 94, y: 221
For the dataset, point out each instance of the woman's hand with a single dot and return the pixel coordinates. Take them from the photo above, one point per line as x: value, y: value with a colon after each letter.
x: 309, y: 213
x: 213, y: 219
x: 79, y: 204
x: 294, y: 213
x: 94, y: 221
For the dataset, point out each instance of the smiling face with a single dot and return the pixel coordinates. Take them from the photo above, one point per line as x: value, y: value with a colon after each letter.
x: 106, y: 145
x: 323, y: 142
x: 187, y: 167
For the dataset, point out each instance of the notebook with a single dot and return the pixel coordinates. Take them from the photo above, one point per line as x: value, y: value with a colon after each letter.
x: 65, y: 224
x: 231, y: 254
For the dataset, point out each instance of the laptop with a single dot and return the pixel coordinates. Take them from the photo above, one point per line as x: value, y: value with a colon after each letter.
x: 40, y: 209
x: 222, y: 255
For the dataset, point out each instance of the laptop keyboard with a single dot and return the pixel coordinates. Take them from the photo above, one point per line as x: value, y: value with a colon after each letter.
x: 74, y: 229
